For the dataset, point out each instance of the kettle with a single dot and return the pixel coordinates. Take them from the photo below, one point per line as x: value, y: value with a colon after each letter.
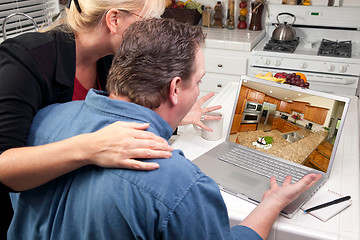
x: 284, y: 32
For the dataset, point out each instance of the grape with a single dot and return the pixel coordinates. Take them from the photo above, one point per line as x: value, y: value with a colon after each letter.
x: 302, y: 85
x: 293, y: 74
x: 292, y: 78
x: 288, y: 77
x: 297, y: 77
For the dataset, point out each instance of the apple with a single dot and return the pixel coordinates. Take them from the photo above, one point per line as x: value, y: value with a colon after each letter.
x: 242, y: 25
x: 280, y: 75
x: 243, y: 4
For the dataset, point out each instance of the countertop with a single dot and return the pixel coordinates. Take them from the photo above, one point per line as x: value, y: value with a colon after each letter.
x: 237, y: 39
x: 295, y: 152
x: 344, y: 179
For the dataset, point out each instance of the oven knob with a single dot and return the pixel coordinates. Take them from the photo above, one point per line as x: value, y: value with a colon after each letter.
x: 267, y: 61
x: 303, y: 65
x: 343, y: 69
x: 331, y: 67
x: 278, y: 63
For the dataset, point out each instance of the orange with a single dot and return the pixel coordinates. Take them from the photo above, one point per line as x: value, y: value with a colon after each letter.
x: 302, y: 76
x: 243, y: 11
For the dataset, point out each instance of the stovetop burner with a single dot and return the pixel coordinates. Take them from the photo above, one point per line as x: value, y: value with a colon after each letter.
x: 281, y: 46
x: 335, y: 48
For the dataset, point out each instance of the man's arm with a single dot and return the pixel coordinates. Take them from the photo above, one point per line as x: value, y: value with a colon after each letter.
x: 264, y: 215
x: 202, y: 214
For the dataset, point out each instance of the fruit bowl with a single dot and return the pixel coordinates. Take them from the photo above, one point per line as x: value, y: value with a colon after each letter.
x: 191, y: 16
x: 298, y: 79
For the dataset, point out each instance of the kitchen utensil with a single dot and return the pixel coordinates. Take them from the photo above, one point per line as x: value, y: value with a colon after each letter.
x: 284, y: 32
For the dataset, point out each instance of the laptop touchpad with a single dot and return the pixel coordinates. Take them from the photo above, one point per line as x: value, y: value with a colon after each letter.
x: 242, y: 180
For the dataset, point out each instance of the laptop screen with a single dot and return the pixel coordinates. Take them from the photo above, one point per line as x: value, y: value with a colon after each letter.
x: 289, y: 122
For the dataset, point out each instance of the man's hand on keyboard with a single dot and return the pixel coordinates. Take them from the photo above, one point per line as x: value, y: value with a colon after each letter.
x: 283, y: 195
x: 274, y: 200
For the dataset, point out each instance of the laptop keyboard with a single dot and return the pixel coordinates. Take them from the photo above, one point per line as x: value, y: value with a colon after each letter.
x: 259, y: 164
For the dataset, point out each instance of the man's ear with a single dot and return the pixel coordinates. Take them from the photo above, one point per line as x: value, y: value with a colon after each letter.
x: 112, y: 19
x: 174, y: 90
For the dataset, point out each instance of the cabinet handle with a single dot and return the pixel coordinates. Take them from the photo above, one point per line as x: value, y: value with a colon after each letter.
x: 220, y: 65
x: 219, y: 85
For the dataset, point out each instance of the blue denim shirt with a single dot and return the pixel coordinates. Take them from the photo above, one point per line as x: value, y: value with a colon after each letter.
x: 177, y: 201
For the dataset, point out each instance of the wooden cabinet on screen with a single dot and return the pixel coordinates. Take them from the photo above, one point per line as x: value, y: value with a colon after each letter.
x: 289, y: 127
x: 271, y: 100
x: 275, y: 123
x: 315, y: 114
x: 236, y: 123
x: 309, y: 113
x: 320, y: 115
x: 284, y: 107
x: 283, y: 125
x: 299, y: 106
x: 255, y: 96
x: 243, y: 92
x: 248, y: 127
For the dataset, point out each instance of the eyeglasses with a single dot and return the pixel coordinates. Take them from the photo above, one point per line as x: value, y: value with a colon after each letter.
x: 77, y: 5
x: 132, y: 13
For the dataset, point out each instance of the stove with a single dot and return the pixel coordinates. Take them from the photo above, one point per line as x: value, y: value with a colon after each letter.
x: 335, y: 48
x: 281, y: 46
x: 327, y: 49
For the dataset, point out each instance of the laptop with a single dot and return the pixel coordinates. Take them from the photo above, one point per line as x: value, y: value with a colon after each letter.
x: 253, y: 152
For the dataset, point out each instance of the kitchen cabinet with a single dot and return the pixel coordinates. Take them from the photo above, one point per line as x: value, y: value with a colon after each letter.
x: 309, y: 112
x: 320, y: 157
x: 280, y: 125
x: 284, y: 107
x: 283, y: 125
x: 236, y: 123
x: 320, y: 115
x: 243, y: 91
x: 275, y: 124
x: 315, y: 114
x: 271, y: 100
x: 222, y: 67
x: 299, y: 106
x: 289, y: 127
x: 248, y: 127
x: 226, y: 56
x: 240, y: 105
x: 255, y: 96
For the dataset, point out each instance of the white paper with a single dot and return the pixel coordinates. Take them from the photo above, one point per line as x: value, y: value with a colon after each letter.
x: 323, y: 196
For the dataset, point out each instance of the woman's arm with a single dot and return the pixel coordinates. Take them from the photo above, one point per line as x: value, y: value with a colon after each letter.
x: 114, y: 146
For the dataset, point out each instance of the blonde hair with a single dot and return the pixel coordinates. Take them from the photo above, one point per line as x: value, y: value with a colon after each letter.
x: 93, y: 11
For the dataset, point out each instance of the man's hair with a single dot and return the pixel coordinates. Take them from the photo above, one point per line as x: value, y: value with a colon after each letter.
x: 151, y: 54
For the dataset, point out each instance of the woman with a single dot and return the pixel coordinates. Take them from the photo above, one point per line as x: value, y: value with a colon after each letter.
x: 60, y: 65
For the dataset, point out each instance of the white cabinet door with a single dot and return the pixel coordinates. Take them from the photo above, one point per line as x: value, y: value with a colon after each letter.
x: 226, y: 61
x: 214, y: 82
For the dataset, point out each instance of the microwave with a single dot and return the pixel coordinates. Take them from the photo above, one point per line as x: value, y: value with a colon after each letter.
x: 252, y: 107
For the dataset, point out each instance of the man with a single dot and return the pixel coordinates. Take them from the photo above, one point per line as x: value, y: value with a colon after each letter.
x: 154, y: 78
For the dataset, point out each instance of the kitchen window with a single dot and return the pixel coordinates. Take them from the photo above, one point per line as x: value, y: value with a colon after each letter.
x: 41, y: 11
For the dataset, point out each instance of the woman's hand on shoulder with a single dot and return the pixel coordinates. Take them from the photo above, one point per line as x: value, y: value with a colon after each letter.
x: 117, y: 146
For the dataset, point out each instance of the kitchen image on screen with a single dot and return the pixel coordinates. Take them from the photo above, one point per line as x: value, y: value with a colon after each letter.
x: 298, y: 127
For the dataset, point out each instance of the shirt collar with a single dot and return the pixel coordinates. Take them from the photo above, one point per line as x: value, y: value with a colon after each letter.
x: 100, y: 101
